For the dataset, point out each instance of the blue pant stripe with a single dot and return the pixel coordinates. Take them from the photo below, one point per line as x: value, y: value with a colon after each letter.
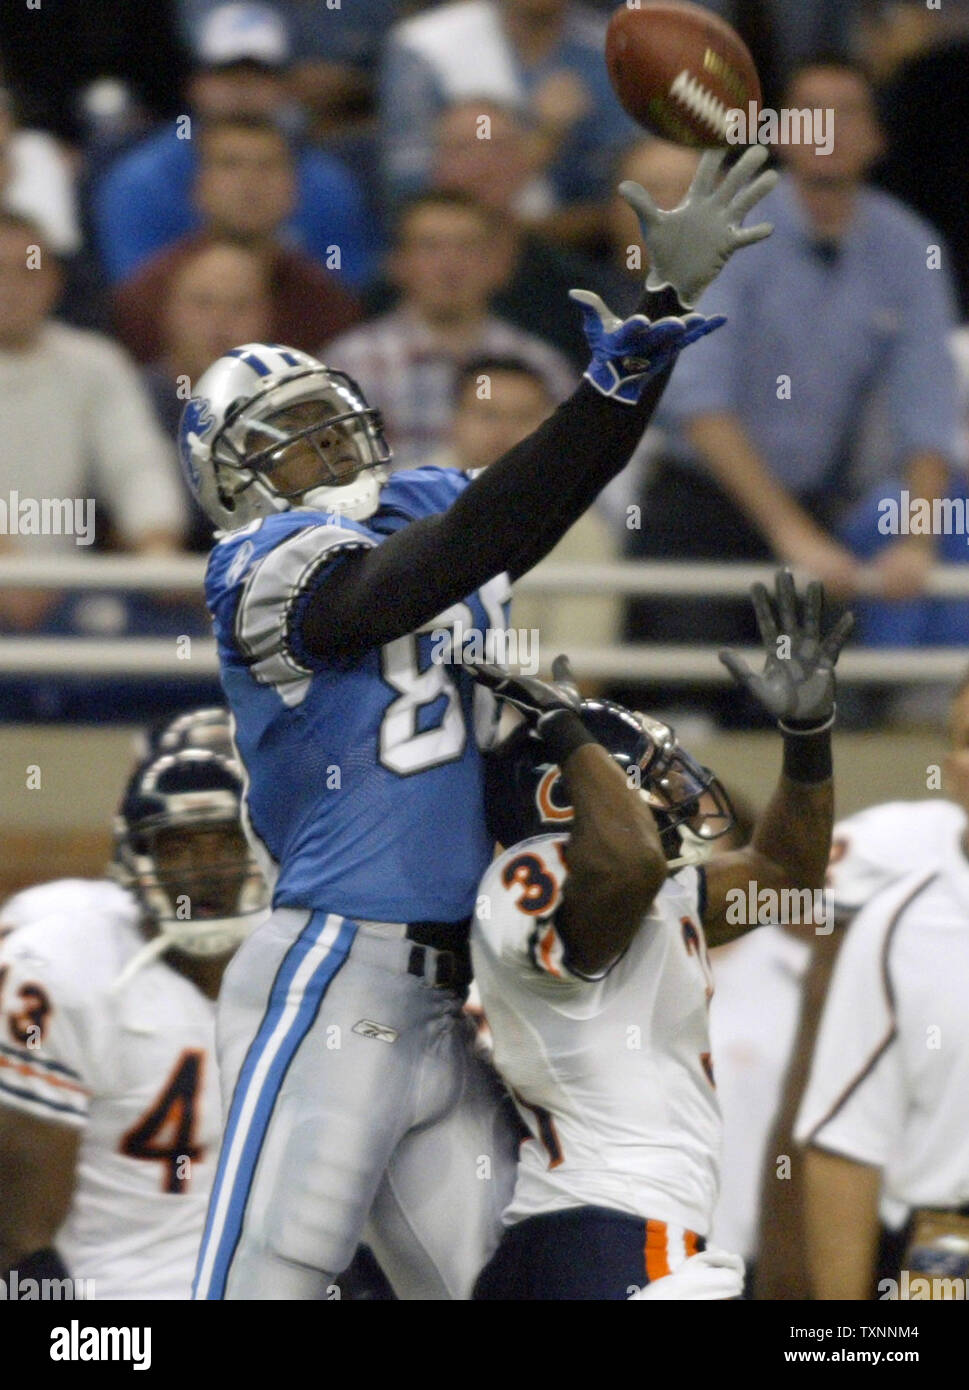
x: 286, y: 1049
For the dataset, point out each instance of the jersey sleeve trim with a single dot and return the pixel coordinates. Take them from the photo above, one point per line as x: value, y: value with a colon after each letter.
x: 42, y: 1088
x: 862, y: 1075
x: 265, y: 630
x: 546, y: 950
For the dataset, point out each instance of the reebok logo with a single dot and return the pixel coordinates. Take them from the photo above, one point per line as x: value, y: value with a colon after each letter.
x: 368, y: 1029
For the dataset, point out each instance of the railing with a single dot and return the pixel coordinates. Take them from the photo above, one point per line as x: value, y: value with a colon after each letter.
x: 173, y: 659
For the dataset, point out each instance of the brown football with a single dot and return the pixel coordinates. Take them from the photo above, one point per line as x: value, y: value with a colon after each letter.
x: 678, y: 69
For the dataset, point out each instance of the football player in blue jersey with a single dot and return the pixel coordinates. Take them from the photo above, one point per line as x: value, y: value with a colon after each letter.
x: 352, y: 1097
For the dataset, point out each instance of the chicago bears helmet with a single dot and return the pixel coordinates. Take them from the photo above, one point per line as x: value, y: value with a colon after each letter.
x: 204, y: 901
x: 210, y: 727
x: 526, y: 795
x: 270, y: 428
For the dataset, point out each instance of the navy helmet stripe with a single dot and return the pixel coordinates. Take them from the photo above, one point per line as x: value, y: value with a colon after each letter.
x: 251, y: 360
x: 285, y: 354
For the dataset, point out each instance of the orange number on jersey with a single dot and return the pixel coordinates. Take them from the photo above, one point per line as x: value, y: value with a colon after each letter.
x: 29, y: 1025
x: 541, y: 888
x: 166, y: 1132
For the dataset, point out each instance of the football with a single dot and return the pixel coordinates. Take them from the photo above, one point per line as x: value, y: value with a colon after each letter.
x: 678, y: 69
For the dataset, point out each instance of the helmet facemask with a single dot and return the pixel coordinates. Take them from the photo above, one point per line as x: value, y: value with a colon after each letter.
x: 690, y: 807
x: 308, y: 441
x: 197, y: 882
x: 181, y: 851
x: 526, y: 795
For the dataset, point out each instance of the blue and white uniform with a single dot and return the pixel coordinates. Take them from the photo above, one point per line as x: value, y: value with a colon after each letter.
x: 349, y: 1085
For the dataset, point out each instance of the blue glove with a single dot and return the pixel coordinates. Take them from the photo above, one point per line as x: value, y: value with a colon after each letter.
x: 626, y: 353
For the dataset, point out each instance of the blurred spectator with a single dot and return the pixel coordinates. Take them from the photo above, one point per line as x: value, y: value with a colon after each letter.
x: 446, y: 267
x: 145, y: 201
x: 841, y: 302
x: 335, y: 50
x: 500, y: 400
x: 922, y: 621
x: 921, y: 58
x: 52, y: 52
x: 218, y: 296
x: 245, y: 190
x: 783, y: 34
x: 543, y: 57
x: 36, y: 180
x: 665, y: 169
x: 480, y: 148
x: 75, y: 425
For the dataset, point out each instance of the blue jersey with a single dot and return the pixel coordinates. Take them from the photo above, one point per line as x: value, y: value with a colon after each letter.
x: 364, y: 779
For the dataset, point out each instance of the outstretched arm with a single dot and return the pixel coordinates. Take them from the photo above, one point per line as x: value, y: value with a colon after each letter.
x: 519, y: 508
x: 614, y: 855
x: 792, y: 840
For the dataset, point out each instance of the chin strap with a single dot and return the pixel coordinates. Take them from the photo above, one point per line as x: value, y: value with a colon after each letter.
x: 150, y: 951
x: 696, y: 850
x: 166, y: 941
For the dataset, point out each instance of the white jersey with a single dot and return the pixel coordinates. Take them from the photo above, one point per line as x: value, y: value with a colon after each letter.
x: 889, y: 1082
x: 134, y: 1071
x: 876, y: 846
x: 754, y: 1018
x: 612, y: 1075
x: 62, y: 895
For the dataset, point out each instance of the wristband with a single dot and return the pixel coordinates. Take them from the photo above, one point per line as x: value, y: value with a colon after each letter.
x: 563, y: 732
x: 807, y: 751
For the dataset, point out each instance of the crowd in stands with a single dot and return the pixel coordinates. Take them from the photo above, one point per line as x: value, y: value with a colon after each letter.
x: 407, y: 190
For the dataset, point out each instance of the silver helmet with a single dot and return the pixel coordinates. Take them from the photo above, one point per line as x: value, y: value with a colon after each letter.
x: 270, y: 428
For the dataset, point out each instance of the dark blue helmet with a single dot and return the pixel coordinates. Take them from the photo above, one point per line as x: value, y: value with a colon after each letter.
x: 201, y: 909
x: 526, y: 794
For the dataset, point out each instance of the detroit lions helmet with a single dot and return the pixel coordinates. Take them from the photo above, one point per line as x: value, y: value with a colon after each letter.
x: 525, y: 793
x: 270, y: 428
x: 203, y: 896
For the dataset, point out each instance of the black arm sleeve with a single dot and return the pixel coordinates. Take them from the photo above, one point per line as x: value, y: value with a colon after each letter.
x: 509, y: 518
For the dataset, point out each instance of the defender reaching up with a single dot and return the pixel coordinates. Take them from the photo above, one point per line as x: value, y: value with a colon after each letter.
x: 590, y: 954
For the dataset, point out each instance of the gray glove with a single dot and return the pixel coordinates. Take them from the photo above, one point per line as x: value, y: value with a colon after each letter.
x: 797, y: 683
x: 689, y: 245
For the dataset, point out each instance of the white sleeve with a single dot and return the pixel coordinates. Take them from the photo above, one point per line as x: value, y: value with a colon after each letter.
x: 515, y: 909
x: 879, y: 845
x: 273, y: 586
x: 45, y: 1064
x: 855, y: 1101
x: 134, y: 464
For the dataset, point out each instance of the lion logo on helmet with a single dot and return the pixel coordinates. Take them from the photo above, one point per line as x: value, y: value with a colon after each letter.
x: 197, y: 421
